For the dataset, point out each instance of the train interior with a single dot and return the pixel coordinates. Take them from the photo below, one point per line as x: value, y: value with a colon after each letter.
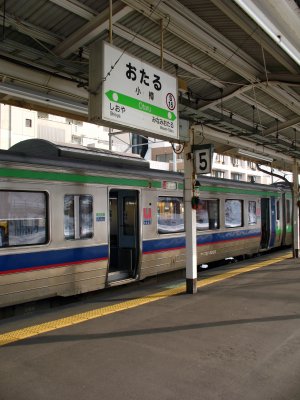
x: 124, y: 235
x: 265, y: 223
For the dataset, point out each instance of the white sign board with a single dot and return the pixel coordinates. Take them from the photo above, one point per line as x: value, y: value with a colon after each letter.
x: 137, y: 95
x: 203, y: 158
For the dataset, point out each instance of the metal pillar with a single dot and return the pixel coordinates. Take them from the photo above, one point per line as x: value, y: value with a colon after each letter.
x: 110, y: 22
x: 174, y: 161
x: 190, y: 221
x: 295, y: 210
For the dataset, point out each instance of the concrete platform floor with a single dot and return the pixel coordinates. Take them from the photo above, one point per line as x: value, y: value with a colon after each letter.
x: 238, y: 338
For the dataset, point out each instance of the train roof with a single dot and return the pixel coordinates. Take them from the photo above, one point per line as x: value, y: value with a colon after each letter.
x: 43, y: 152
x: 46, y: 152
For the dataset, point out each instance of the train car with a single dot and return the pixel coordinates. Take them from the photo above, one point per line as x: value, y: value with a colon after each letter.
x: 74, y: 220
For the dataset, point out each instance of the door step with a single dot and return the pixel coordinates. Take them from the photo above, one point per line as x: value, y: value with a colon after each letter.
x: 120, y: 282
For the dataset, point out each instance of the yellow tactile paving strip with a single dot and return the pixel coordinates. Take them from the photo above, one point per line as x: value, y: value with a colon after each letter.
x: 31, y: 331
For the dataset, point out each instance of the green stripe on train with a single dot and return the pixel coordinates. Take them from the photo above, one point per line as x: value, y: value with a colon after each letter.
x: 218, y: 189
x: 69, y: 177
x: 106, y: 180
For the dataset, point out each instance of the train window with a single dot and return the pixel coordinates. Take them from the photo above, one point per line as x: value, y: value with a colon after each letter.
x: 207, y: 215
x: 170, y: 215
x: 277, y: 210
x: 252, y: 218
x: 288, y: 211
x: 233, y: 213
x: 78, y: 217
x: 23, y: 218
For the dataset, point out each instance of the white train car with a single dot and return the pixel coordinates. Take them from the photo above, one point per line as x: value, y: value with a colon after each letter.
x: 75, y: 220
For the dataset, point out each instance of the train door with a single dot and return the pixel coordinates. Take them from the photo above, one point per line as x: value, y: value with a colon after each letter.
x: 279, y: 219
x: 268, y: 222
x: 124, y: 234
x: 284, y: 223
x: 265, y: 223
x: 287, y: 238
x: 273, y: 222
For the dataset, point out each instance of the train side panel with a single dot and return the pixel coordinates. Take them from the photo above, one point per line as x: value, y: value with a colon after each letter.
x: 166, y: 251
x: 161, y: 252
x: 64, y: 265
x: 73, y: 229
x: 230, y: 233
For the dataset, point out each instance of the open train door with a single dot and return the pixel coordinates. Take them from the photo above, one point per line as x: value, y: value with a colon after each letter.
x: 124, y: 234
x: 265, y: 223
x: 268, y: 222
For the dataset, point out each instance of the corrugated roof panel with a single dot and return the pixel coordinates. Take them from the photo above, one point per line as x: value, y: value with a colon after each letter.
x: 32, y: 29
x: 258, y: 117
x: 211, y: 14
x: 269, y: 102
x: 175, y: 45
x: 24, y: 8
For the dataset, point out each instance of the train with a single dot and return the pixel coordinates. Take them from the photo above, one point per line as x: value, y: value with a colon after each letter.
x: 75, y: 219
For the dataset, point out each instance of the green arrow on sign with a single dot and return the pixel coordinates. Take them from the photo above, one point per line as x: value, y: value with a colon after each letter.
x: 140, y: 105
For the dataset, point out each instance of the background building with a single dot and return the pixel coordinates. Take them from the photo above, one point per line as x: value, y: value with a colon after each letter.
x: 17, y: 124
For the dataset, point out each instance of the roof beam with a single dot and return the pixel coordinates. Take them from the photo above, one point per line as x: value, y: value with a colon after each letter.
x: 280, y: 127
x: 77, y: 8
x: 261, y: 107
x: 30, y: 30
x: 282, y: 96
x: 41, y: 81
x: 223, y: 137
x: 91, y: 30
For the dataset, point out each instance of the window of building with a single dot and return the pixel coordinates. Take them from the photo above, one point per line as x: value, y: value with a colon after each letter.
x: 218, y: 174
x: 23, y: 218
x: 77, y: 139
x: 165, y: 157
x: 236, y: 177
x: 234, y: 161
x: 252, y: 218
x: 43, y: 115
x: 233, y: 213
x: 251, y: 178
x: 207, y: 214
x: 78, y: 217
x: 28, y: 123
x: 251, y: 165
x: 170, y: 214
x: 220, y: 159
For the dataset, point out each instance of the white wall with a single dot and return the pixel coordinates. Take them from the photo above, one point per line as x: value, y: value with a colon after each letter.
x: 13, y: 121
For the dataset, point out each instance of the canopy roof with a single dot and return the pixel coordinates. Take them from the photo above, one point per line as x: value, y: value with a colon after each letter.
x: 237, y: 85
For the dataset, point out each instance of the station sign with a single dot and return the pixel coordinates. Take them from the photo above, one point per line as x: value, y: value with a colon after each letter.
x: 134, y: 94
x: 203, y: 155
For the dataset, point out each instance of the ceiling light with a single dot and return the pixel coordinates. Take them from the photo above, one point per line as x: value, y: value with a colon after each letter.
x: 43, y: 98
x: 254, y: 155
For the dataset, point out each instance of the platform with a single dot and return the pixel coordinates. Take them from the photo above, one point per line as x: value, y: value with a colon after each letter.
x: 238, y: 338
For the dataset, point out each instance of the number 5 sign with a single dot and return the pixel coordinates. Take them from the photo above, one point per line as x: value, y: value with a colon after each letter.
x: 203, y: 158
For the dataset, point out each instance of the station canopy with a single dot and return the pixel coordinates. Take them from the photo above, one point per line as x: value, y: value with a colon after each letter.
x: 237, y: 63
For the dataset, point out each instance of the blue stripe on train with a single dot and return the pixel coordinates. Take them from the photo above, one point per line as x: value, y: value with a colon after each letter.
x: 165, y: 244
x: 54, y: 258
x: 51, y: 258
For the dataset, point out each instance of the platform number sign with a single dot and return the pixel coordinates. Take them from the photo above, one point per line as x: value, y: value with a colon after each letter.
x: 203, y: 158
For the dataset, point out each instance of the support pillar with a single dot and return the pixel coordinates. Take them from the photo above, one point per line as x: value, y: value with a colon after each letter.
x: 295, y: 211
x: 190, y: 221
